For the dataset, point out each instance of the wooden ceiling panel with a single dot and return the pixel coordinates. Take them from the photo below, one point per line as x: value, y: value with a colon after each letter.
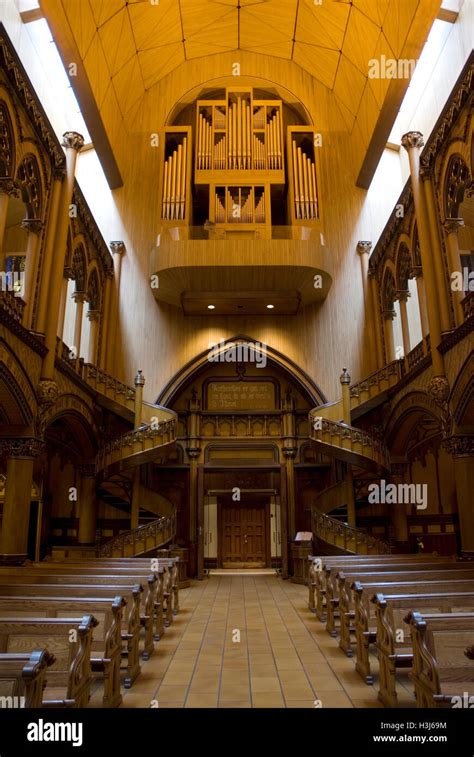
x: 155, y: 25
x: 83, y: 21
x: 117, y: 41
x: 360, y: 28
x: 157, y: 63
x: 128, y: 84
x: 97, y: 70
x: 103, y: 10
x: 397, y: 23
x: 318, y: 61
x: 326, y: 24
x: 350, y: 83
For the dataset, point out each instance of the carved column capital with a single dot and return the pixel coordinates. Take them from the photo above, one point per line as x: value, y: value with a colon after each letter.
x: 364, y: 248
x: 59, y: 174
x: 412, y: 140
x: 403, y: 295
x: 460, y: 446
x: 73, y: 140
x: 389, y: 315
x: 79, y: 297
x: 290, y: 453
x: 9, y: 187
x: 438, y: 389
x: 48, y: 392
x: 93, y: 315
x: 117, y: 247
x: 452, y: 225
x: 426, y: 170
x: 68, y: 272
x: 32, y: 225
x: 27, y: 448
x: 416, y: 271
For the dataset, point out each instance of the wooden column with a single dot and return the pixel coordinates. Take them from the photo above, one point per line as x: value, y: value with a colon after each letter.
x: 20, y: 455
x: 402, y: 298
x: 193, y: 450
x: 139, y: 384
x: 8, y: 189
x: 388, y: 317
x: 451, y: 228
x: 118, y: 249
x: 375, y: 325
x: 345, y: 380
x: 284, y: 521
x: 105, y: 322
x: 363, y: 249
x: 94, y: 318
x: 413, y: 142
x: 79, y: 299
x: 63, y: 303
x: 50, y: 249
x: 87, y: 505
x: 462, y: 450
x: 73, y: 143
x: 289, y: 451
x: 421, y: 291
x: 351, y: 507
x: 437, y: 254
x: 398, y: 512
x: 136, y: 483
x: 33, y: 226
x: 200, y: 521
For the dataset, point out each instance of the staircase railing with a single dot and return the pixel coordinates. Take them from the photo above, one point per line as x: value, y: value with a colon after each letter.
x: 353, y: 540
x: 145, y: 439
x: 349, y: 443
x: 377, y: 382
x: 140, y: 540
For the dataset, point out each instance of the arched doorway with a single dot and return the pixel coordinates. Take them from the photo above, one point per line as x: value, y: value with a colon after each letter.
x: 242, y: 456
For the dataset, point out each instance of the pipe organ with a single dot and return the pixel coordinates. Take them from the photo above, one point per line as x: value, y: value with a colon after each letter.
x: 246, y: 173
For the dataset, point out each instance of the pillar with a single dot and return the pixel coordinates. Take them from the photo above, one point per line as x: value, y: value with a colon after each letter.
x: 50, y: 249
x: 388, y: 316
x: 403, y: 296
x: 351, y: 508
x: 413, y: 142
x: 118, y: 249
x: 79, y: 299
x: 7, y: 189
x: 33, y: 226
x: 289, y: 452
x: 135, y: 511
x: 436, y: 248
x: 139, y: 384
x: 94, y: 318
x: 451, y: 227
x: 20, y: 455
x: 421, y: 291
x: 73, y: 143
x: 63, y: 302
x: 364, y: 248
x: 374, y: 292
x: 193, y: 450
x: 87, y: 505
x: 102, y: 358
x: 462, y: 450
x: 399, y: 512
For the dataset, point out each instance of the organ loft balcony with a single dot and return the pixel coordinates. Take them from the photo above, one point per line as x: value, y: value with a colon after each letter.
x: 241, y: 229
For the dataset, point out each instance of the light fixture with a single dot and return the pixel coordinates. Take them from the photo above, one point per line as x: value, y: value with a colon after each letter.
x: 211, y: 307
x: 270, y: 307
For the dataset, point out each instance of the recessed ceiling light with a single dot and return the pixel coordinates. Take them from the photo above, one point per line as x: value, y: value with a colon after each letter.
x: 211, y: 307
x: 270, y: 307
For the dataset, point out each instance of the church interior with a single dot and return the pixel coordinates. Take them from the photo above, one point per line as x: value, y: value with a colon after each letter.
x: 236, y: 353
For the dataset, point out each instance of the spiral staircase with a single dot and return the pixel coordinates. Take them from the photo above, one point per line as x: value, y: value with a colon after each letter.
x: 365, y: 456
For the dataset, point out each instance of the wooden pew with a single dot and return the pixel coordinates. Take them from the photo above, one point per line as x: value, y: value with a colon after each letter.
x: 69, y: 677
x: 426, y: 571
x: 60, y: 577
x: 395, y: 653
x: 441, y: 670
x: 166, y: 564
x: 131, y: 594
x: 106, y: 648
x: 22, y: 678
x: 365, y: 622
x: 319, y: 566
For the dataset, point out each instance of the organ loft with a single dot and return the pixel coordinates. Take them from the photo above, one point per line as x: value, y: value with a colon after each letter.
x: 236, y: 356
x: 242, y: 164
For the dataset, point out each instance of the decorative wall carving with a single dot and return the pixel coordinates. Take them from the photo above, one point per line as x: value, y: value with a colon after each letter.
x: 7, y: 143
x: 27, y: 447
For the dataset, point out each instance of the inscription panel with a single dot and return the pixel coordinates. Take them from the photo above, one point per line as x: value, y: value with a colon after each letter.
x: 241, y: 395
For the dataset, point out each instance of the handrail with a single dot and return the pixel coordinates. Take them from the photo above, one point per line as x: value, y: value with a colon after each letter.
x: 11, y: 304
x: 141, y: 539
x: 354, y: 540
x: 351, y: 441
x: 393, y: 369
x: 468, y: 305
x: 132, y: 443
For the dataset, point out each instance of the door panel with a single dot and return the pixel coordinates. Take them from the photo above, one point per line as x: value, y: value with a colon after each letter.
x: 243, y: 536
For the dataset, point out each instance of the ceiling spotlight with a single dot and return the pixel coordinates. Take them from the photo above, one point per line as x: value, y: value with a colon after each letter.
x: 211, y: 307
x: 270, y: 307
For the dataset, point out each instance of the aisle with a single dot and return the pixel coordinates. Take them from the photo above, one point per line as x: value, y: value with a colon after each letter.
x: 284, y: 657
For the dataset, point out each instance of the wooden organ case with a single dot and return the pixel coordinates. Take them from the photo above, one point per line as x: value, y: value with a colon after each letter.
x: 247, y: 178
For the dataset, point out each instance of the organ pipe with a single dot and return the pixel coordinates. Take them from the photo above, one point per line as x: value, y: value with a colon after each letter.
x: 174, y: 184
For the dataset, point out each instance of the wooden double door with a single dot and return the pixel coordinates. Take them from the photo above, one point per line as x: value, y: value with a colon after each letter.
x: 243, y: 535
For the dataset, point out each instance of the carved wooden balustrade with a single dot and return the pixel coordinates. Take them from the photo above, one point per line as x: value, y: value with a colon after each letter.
x: 376, y: 383
x: 415, y: 356
x: 354, y: 540
x: 468, y: 306
x: 141, y: 540
x: 136, y: 447
x: 12, y: 306
x: 241, y: 424
x: 109, y: 386
x: 348, y: 443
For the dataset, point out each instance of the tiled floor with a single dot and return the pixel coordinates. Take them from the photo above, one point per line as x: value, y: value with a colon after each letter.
x: 250, y: 641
